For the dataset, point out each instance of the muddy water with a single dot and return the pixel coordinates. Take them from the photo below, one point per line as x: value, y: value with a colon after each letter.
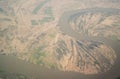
x: 12, y: 64
x: 114, y: 44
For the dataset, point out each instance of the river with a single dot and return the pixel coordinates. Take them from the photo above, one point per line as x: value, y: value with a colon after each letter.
x: 12, y: 64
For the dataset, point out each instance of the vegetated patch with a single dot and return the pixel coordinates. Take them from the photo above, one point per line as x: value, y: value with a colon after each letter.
x: 34, y: 22
x: 38, y: 55
x: 5, y: 19
x: 52, y: 35
x: 1, y: 71
x: 38, y: 7
x: 7, y: 75
x: 45, y: 20
x: 53, y: 66
x: 113, y: 37
x: 48, y: 11
x: 2, y: 11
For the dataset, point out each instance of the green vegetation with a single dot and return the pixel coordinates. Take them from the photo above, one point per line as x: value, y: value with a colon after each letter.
x: 115, y: 25
x: 1, y: 71
x: 34, y: 22
x: 37, y: 8
x: 113, y: 37
x: 48, y: 18
x: 52, y: 35
x: 5, y: 19
x: 38, y: 55
x: 45, y: 20
x: 42, y: 21
x: 52, y: 66
x: 1, y: 10
x: 7, y: 75
x: 48, y: 11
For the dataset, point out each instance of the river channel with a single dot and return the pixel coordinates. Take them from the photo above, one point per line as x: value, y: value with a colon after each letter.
x: 12, y: 64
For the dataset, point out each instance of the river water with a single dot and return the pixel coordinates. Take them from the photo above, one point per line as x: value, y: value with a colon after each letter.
x: 12, y: 64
